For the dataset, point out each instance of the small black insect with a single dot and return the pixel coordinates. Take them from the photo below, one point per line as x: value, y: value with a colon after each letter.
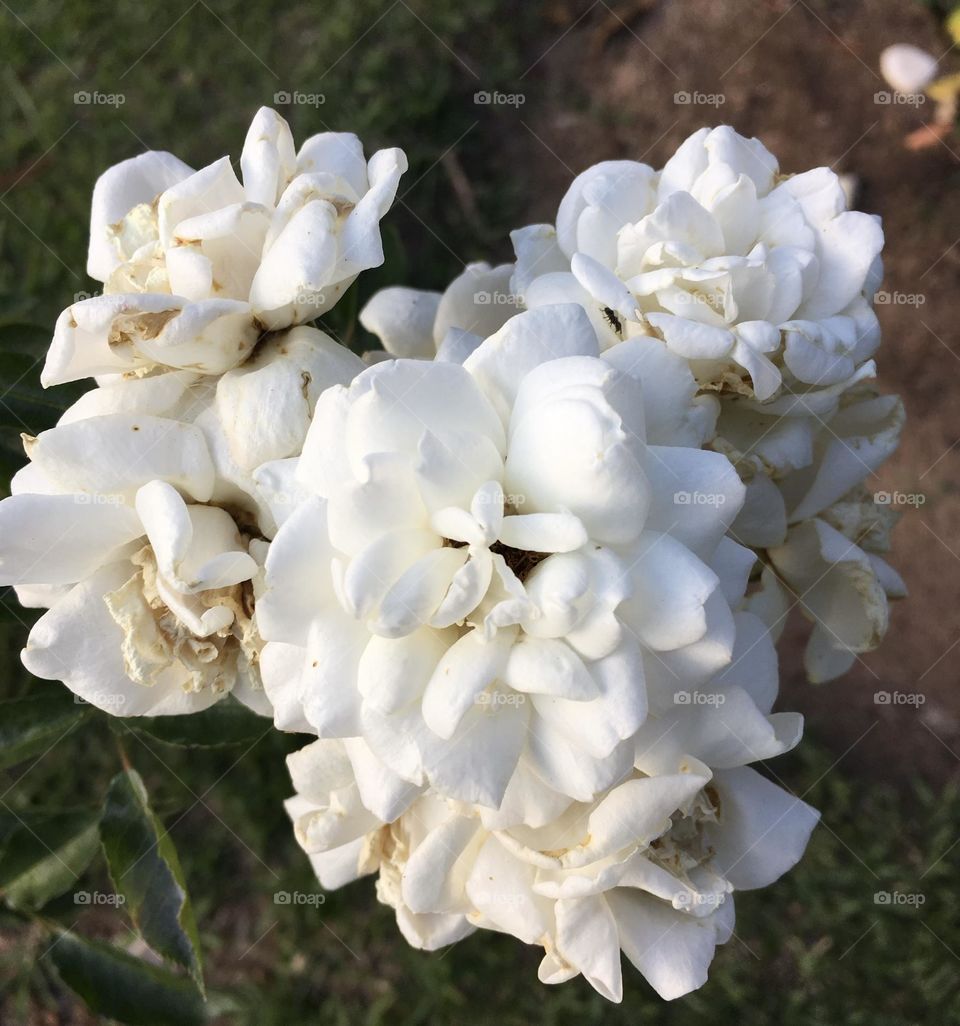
x: 613, y: 320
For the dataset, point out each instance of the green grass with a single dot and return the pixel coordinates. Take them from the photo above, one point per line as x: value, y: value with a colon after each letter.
x: 401, y: 75
x: 814, y: 949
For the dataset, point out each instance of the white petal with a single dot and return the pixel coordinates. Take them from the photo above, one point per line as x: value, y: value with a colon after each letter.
x: 599, y: 202
x: 402, y: 319
x: 269, y: 157
x: 394, y: 672
x: 673, y: 950
x: 280, y: 667
x: 476, y: 764
x: 60, y: 539
x: 500, y: 887
x: 526, y: 341
x: 762, y: 829
x: 385, y: 794
x: 537, y: 253
x: 692, y: 339
x: 478, y: 301
x: 847, y: 247
x: 414, y: 598
x: 265, y: 405
x: 573, y: 455
x: 668, y: 398
x: 671, y: 586
x: 428, y: 883
x: 118, y: 453
x: 79, y: 642
x: 696, y: 494
x: 548, y: 667
x: 298, y: 567
x: 587, y: 938
x: 543, y: 532
x: 465, y: 670
x: 117, y: 191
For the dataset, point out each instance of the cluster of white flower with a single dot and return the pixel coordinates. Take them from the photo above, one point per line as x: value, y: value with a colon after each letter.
x: 522, y: 574
x: 762, y: 284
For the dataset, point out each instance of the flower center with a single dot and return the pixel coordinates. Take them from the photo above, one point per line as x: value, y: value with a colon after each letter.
x: 520, y: 561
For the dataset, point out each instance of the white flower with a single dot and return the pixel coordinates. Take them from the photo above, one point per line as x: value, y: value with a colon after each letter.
x: 648, y: 867
x: 824, y: 532
x: 252, y: 415
x: 908, y: 69
x: 491, y: 554
x: 139, y: 524
x: 149, y: 590
x: 196, y: 265
x: 760, y: 283
x: 420, y: 324
x: 746, y: 274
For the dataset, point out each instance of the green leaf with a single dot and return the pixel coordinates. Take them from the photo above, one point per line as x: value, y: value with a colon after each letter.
x: 34, y: 724
x: 226, y: 723
x: 145, y: 869
x: 118, y: 986
x: 43, y: 855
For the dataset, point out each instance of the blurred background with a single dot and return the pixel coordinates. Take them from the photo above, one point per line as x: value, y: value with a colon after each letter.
x: 83, y: 86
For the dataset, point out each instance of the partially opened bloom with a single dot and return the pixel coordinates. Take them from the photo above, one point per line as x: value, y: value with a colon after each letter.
x: 761, y: 281
x: 139, y: 524
x: 648, y: 867
x: 149, y: 590
x: 418, y: 323
x: 492, y: 551
x: 196, y: 265
x: 824, y: 532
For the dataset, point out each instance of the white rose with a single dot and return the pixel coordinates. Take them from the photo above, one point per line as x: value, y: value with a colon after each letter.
x: 748, y: 275
x: 489, y: 552
x: 648, y: 867
x: 149, y: 590
x: 823, y: 531
x: 196, y: 265
x: 420, y: 324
